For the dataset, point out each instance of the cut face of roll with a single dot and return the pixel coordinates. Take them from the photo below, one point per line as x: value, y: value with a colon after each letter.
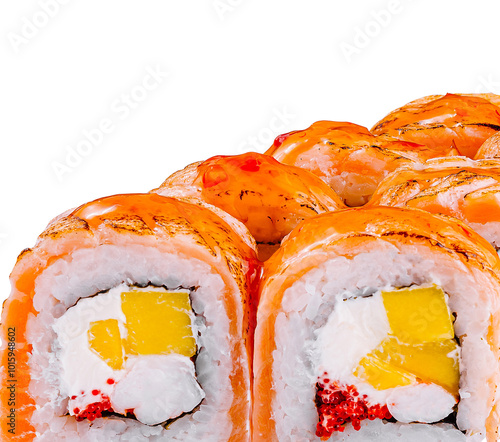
x: 378, y: 324
x: 113, y: 341
x: 379, y: 355
x: 133, y: 321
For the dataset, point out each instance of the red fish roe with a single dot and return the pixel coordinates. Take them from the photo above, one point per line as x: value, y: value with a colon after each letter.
x: 110, y: 381
x: 94, y: 410
x: 338, y: 406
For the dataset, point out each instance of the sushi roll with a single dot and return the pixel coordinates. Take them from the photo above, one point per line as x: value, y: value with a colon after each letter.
x: 378, y: 324
x: 490, y: 148
x: 462, y: 121
x: 347, y: 157
x: 456, y: 186
x: 130, y: 320
x: 268, y: 197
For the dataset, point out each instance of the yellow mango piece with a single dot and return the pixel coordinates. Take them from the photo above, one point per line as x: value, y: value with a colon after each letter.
x: 105, y: 340
x: 382, y: 375
x: 431, y: 362
x: 158, y: 323
x: 418, y: 315
x: 421, y: 346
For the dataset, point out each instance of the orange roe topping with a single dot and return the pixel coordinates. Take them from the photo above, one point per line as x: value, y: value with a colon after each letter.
x: 94, y: 410
x: 339, y: 406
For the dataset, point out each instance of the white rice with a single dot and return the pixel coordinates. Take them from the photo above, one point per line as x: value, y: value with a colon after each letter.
x: 89, y: 271
x: 489, y: 231
x: 310, y: 300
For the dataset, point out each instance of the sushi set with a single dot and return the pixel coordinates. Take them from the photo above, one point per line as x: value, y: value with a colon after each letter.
x: 343, y: 286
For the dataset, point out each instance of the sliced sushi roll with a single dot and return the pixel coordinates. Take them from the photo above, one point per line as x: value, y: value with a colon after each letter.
x: 462, y: 121
x: 268, y: 197
x: 346, y: 156
x: 130, y: 319
x: 378, y: 324
x: 460, y: 187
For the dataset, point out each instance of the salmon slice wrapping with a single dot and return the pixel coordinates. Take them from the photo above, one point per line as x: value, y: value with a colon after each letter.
x: 270, y: 198
x: 347, y: 156
x: 456, y: 186
x: 441, y: 122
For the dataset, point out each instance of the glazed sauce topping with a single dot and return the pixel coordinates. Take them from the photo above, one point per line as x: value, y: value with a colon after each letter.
x: 338, y: 406
x: 280, y: 138
x: 270, y: 198
x: 251, y: 165
x: 214, y: 175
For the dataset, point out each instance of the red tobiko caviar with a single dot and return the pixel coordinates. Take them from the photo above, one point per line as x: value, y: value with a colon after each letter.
x: 94, y: 410
x: 338, y: 406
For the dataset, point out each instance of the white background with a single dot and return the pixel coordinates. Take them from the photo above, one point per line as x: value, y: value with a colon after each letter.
x: 239, y: 73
